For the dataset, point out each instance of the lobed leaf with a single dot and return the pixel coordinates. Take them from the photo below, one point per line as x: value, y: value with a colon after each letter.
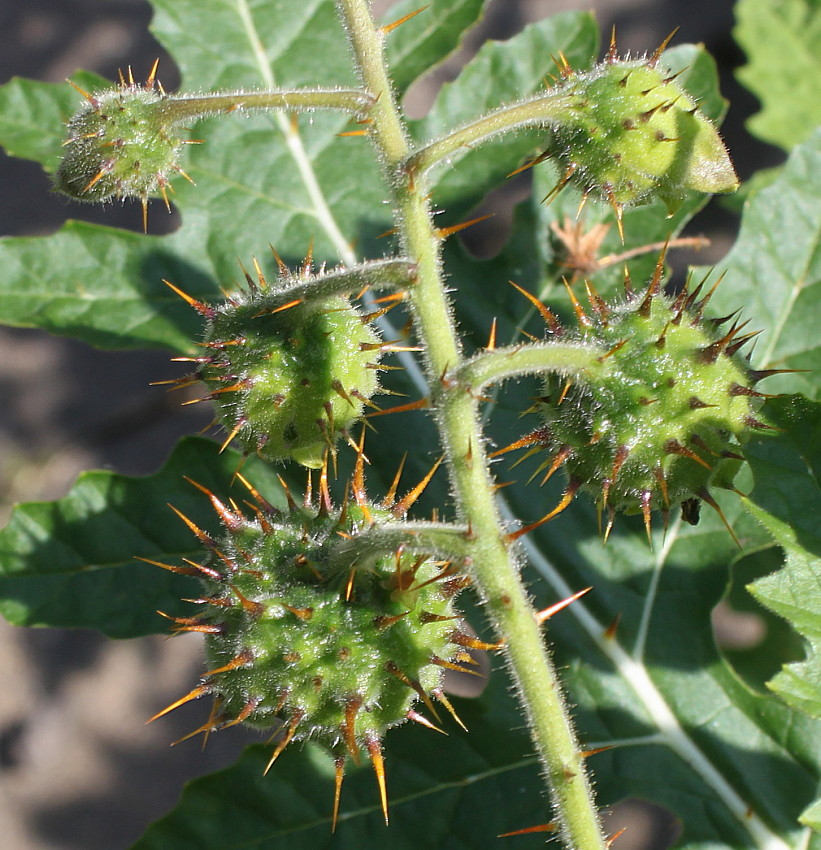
x: 774, y: 272
x: 783, y: 46
x: 787, y: 501
x: 73, y: 563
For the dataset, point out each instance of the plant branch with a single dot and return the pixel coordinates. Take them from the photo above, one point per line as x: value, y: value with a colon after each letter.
x: 494, y: 566
x: 437, y: 539
x: 179, y: 109
x: 490, y: 367
x: 544, y: 110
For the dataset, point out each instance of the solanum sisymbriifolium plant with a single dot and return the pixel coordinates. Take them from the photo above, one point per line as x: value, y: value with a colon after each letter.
x: 579, y: 465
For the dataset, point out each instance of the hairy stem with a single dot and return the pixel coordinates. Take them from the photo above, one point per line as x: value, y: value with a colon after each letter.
x: 494, y: 564
x: 490, y: 367
x: 179, y: 109
x: 544, y: 110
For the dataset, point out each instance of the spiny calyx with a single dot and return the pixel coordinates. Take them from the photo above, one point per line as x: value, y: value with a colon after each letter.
x: 288, y: 366
x: 634, y: 135
x: 665, y: 416
x: 122, y: 144
x: 327, y: 648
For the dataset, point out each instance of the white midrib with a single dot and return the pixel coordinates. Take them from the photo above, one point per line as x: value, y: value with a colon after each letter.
x: 633, y: 671
x: 321, y: 209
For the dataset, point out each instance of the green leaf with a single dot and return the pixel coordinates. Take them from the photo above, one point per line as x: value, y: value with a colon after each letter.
x: 456, y: 791
x: 421, y: 43
x: 787, y: 501
x: 783, y: 46
x: 258, y: 183
x: 29, y: 109
x: 73, y: 563
x: 774, y: 272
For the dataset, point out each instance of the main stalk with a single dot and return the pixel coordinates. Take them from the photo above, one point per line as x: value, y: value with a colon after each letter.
x: 494, y: 564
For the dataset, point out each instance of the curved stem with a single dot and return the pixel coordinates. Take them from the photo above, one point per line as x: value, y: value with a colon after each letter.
x: 490, y: 367
x: 395, y: 274
x: 437, y: 539
x: 179, y: 109
x: 495, y: 562
x: 544, y: 110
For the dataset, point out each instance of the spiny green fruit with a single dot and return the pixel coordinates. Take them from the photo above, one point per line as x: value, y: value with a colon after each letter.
x: 121, y: 144
x: 288, y: 375
x: 335, y: 649
x: 634, y: 135
x: 664, y: 417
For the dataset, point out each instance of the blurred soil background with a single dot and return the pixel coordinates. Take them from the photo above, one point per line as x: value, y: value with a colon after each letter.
x: 79, y: 770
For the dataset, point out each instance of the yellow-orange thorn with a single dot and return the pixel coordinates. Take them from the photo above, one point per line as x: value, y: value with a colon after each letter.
x: 416, y: 717
x: 241, y: 660
x: 419, y: 404
x: 653, y: 60
x: 614, y: 836
x: 535, y: 437
x: 491, y: 341
x: 566, y: 499
x: 349, y: 133
x: 398, y: 23
x: 542, y: 827
x: 352, y: 707
x: 705, y: 496
x: 202, y: 309
x: 585, y: 754
x: 530, y: 164
x: 301, y: 613
x: 196, y: 693
x: 610, y: 631
x: 375, y: 752
x: 461, y: 639
x: 339, y: 775
x: 390, y: 496
x: 444, y: 232
x: 89, y: 97
x: 404, y: 504
x: 553, y: 193
x: 544, y: 615
x: 202, y: 536
x: 286, y: 739
x: 449, y: 665
x: 581, y: 316
x: 186, y: 571
x: 549, y: 319
x: 440, y: 695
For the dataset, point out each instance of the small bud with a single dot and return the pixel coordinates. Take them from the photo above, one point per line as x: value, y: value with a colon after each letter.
x: 636, y: 135
x: 120, y: 145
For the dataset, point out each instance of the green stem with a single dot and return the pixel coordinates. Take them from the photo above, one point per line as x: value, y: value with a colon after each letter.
x: 544, y: 110
x: 495, y: 566
x: 394, y: 273
x: 490, y: 367
x: 180, y: 109
x: 437, y: 539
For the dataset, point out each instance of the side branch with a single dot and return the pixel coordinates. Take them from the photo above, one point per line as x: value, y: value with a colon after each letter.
x: 489, y: 367
x: 177, y: 109
x: 394, y: 274
x: 437, y: 539
x: 544, y: 110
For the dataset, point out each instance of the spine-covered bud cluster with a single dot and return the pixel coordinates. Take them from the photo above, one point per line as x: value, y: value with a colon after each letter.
x: 288, y: 368
x: 333, y: 648
x: 664, y: 417
x: 633, y: 135
x: 122, y: 144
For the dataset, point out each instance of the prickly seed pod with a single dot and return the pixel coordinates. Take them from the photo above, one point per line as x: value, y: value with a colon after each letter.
x: 636, y: 135
x: 287, y: 375
x: 121, y: 144
x: 665, y: 418
x: 328, y: 649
